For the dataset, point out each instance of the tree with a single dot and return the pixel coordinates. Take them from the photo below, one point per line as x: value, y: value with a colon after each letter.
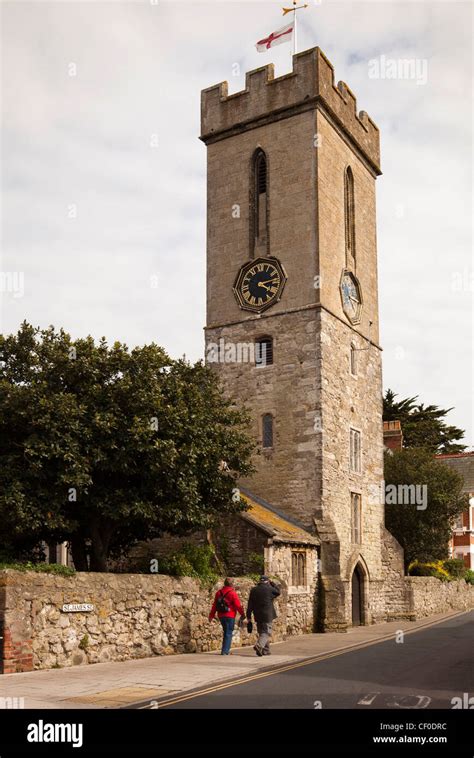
x: 423, y: 532
x: 102, y: 446
x: 423, y: 426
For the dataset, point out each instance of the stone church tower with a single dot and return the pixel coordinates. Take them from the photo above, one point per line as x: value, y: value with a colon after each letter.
x: 292, y: 309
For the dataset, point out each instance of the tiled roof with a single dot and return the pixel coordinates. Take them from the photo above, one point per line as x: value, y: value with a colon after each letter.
x: 463, y: 463
x: 274, y: 523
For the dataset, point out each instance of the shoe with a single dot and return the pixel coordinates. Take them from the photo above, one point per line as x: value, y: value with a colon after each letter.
x: 258, y: 650
x: 266, y: 652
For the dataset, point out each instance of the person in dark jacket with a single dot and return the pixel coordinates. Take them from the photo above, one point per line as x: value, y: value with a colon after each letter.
x: 227, y: 597
x: 261, y: 605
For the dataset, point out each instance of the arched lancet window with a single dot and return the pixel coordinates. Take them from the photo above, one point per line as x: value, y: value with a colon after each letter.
x: 349, y: 218
x: 263, y: 351
x: 259, y: 204
x: 353, y: 359
x: 356, y: 518
x: 298, y: 568
x: 267, y: 430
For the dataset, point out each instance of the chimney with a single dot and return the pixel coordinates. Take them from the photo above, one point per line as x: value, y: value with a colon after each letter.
x: 392, y: 435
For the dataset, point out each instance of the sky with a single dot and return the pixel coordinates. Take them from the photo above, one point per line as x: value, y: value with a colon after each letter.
x: 103, y: 186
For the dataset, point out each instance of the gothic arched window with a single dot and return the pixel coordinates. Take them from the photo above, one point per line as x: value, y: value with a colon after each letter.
x: 259, y: 204
x: 349, y: 221
x: 267, y: 430
x: 298, y: 568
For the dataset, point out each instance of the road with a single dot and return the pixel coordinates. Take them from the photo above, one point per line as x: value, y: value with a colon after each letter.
x: 424, y: 671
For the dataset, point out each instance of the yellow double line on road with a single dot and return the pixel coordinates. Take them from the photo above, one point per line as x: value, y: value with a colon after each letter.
x: 299, y: 664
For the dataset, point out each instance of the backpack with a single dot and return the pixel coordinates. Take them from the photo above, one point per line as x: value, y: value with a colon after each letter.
x: 222, y: 605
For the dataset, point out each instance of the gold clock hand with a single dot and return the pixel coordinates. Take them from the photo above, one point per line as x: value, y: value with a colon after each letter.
x: 263, y: 284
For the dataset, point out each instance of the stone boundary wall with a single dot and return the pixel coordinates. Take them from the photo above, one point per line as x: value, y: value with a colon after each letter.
x: 394, y: 589
x: 134, y: 616
x: 427, y: 596
x: 139, y: 615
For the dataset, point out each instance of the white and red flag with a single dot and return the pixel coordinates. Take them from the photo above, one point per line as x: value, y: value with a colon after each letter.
x: 276, y: 38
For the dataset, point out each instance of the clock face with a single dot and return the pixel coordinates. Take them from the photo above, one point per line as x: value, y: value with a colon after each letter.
x: 259, y: 284
x: 351, y: 296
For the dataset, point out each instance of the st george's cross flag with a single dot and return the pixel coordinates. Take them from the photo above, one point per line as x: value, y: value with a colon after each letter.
x: 276, y: 38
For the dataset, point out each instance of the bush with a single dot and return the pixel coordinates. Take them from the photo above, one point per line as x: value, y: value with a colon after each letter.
x: 191, y: 560
x: 448, y: 570
x: 429, y: 569
x: 258, y: 561
x: 45, y: 568
x: 455, y: 568
x: 469, y: 576
x: 176, y: 564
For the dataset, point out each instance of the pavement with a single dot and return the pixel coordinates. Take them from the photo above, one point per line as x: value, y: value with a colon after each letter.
x: 134, y: 682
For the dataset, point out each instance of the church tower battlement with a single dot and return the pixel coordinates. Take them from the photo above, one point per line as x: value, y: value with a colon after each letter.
x: 312, y: 80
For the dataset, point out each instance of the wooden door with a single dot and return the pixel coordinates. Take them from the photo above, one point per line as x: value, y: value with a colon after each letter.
x: 356, y: 597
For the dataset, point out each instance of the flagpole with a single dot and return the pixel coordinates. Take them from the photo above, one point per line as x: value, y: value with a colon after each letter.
x: 293, y: 10
x: 294, y: 29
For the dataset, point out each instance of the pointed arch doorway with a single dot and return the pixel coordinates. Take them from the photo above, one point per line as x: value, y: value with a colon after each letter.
x: 357, y: 596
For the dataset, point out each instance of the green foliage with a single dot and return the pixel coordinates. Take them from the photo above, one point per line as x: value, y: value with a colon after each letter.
x: 423, y: 534
x: 469, y: 576
x: 45, y: 568
x: 423, y: 427
x: 191, y: 560
x: 257, y: 561
x: 448, y: 570
x: 20, y: 548
x: 84, y: 643
x: 176, y: 564
x: 434, y: 569
x: 105, y: 446
x: 455, y: 568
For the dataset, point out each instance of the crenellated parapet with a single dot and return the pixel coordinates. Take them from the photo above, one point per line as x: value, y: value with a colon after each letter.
x: 265, y: 98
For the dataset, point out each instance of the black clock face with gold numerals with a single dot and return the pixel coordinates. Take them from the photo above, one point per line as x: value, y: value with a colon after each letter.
x: 259, y: 284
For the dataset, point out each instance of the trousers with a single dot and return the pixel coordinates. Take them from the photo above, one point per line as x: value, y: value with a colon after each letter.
x: 264, y: 630
x: 227, y: 624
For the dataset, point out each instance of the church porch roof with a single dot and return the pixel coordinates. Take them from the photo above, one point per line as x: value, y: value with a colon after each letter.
x: 275, y: 524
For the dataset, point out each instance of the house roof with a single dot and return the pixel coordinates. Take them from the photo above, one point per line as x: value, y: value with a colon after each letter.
x: 275, y: 524
x: 463, y: 463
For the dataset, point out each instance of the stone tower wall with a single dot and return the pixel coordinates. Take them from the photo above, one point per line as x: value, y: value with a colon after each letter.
x: 310, y: 131
x: 292, y: 213
x: 289, y: 475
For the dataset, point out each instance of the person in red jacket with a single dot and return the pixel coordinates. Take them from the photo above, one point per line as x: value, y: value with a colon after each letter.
x: 227, y: 605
